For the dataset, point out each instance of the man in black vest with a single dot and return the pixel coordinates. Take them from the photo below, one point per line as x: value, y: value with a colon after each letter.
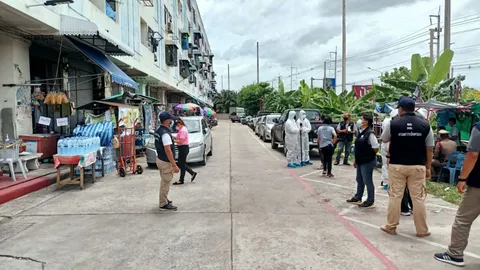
x: 165, y: 146
x: 345, y: 130
x: 411, y: 151
x: 469, y: 209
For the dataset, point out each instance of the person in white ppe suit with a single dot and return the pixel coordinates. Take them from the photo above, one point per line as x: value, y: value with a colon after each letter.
x: 304, y: 127
x: 385, y: 147
x: 292, y: 141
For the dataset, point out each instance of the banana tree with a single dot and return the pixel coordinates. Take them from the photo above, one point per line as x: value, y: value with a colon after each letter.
x: 426, y: 80
x: 335, y: 105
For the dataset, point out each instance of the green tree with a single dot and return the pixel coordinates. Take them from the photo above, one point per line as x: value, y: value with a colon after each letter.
x: 251, y: 96
x: 470, y: 94
x: 224, y: 100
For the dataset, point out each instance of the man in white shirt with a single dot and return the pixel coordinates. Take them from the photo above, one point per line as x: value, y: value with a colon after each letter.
x: 165, y: 146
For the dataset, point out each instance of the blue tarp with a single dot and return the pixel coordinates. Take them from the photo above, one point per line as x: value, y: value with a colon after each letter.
x: 118, y: 76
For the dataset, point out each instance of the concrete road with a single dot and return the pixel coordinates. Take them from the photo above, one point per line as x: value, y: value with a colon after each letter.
x: 245, y: 210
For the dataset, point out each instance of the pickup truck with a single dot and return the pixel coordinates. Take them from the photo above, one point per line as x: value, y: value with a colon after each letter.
x: 278, y: 130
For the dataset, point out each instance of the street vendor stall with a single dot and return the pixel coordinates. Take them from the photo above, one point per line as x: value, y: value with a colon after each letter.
x: 76, y: 161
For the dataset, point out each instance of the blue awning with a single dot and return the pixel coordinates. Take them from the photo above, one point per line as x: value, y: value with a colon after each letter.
x: 118, y: 76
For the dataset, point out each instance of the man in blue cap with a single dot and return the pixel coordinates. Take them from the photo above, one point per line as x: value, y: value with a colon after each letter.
x: 411, y: 150
x: 165, y: 146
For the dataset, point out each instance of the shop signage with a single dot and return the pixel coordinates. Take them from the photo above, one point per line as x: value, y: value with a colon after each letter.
x: 62, y: 122
x: 44, y: 121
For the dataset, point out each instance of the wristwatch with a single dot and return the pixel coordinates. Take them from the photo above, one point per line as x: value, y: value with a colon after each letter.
x: 461, y: 179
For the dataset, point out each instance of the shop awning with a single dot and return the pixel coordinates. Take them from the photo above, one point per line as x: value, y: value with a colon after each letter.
x: 118, y: 76
x: 94, y: 105
x: 138, y: 97
x: 89, y: 32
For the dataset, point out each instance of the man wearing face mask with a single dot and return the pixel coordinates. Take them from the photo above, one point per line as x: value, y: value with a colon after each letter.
x: 345, y: 130
x: 292, y: 141
x: 305, y: 127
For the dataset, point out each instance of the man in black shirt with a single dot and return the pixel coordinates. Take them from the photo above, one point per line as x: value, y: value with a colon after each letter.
x: 345, y: 130
x: 469, y: 209
x: 411, y: 151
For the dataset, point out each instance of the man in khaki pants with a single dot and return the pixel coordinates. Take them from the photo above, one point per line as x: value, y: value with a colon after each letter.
x: 165, y: 146
x: 411, y: 143
x: 469, y: 209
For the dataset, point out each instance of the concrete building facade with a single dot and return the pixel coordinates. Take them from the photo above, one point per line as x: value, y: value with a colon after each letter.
x: 93, y: 49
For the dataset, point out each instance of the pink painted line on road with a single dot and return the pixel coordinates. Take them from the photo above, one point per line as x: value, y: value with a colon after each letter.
x: 389, y: 264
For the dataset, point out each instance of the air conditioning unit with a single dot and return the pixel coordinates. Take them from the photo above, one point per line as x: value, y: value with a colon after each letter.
x: 169, y: 27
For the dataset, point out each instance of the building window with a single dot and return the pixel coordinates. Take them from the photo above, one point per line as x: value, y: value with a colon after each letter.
x: 144, y: 32
x: 194, y: 18
x: 111, y: 9
x: 180, y: 7
x: 167, y: 16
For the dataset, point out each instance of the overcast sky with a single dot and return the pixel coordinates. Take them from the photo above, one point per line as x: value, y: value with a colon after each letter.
x: 381, y: 34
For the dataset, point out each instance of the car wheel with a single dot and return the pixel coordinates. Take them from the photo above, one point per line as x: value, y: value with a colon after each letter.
x: 204, y: 161
x: 264, y: 138
x: 211, y: 149
x: 273, y: 143
x: 152, y: 165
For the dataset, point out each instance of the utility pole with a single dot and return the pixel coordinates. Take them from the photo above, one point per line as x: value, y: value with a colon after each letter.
x: 291, y: 76
x: 222, y: 82
x: 344, y: 46
x: 311, y: 83
x: 325, y: 75
x: 258, y: 65
x: 228, y: 79
x: 448, y: 21
x: 438, y: 30
x: 335, y: 76
x: 432, y: 36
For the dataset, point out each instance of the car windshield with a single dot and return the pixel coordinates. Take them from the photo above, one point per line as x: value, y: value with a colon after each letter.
x: 193, y: 126
x: 271, y: 117
x: 312, y: 115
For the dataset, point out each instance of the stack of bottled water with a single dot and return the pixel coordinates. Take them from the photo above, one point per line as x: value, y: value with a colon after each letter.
x: 78, y: 145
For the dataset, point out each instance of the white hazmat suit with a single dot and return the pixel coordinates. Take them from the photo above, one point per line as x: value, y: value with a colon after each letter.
x: 292, y: 141
x: 304, y: 127
x: 385, y: 147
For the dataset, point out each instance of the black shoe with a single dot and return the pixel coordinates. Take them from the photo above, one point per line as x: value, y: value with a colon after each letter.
x: 169, y: 206
x: 193, y: 176
x: 178, y: 183
x: 169, y: 202
x: 444, y: 257
x: 346, y: 163
x: 354, y: 201
x: 367, y: 205
x: 336, y: 162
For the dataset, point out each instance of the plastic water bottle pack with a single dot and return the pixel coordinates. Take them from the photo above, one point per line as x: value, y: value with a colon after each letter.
x: 78, y: 145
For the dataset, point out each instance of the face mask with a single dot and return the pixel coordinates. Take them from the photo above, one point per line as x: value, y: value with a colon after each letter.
x: 359, y: 122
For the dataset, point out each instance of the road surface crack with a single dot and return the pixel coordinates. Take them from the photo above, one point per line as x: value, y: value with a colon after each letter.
x: 23, y: 259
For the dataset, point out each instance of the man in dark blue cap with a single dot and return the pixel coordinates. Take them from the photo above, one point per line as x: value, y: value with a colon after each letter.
x: 410, y: 157
x: 165, y: 146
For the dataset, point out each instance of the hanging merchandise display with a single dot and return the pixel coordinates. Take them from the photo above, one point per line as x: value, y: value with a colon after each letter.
x: 56, y: 98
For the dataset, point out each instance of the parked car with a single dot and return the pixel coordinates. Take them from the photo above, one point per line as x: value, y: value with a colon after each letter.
x: 278, y: 130
x: 251, y: 124
x: 266, y: 126
x: 259, y: 123
x: 200, y: 141
x: 244, y: 120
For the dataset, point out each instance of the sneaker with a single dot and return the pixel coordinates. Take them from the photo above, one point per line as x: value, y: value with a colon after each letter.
x: 405, y: 214
x: 336, y: 162
x: 354, y: 201
x: 193, y: 176
x: 346, y: 163
x: 169, y: 206
x: 367, y: 205
x: 330, y: 175
x: 444, y: 257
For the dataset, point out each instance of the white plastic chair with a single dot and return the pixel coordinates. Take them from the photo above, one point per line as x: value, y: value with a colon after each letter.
x: 9, y: 155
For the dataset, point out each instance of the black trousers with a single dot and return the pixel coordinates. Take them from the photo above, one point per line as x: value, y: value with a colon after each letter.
x: 182, y: 161
x: 327, y: 153
x: 407, y: 204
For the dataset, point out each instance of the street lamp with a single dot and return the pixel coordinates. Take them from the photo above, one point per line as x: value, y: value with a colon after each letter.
x: 381, y: 73
x: 51, y: 3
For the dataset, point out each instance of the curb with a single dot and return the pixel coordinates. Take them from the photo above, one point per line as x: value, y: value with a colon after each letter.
x: 30, y: 186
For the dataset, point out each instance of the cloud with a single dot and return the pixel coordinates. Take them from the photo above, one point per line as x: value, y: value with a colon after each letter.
x: 381, y: 34
x: 334, y: 8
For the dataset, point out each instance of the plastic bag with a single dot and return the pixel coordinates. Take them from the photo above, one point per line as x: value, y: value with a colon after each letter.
x: 115, y: 142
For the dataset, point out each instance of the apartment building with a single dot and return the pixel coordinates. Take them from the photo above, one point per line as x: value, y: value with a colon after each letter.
x: 94, y: 49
